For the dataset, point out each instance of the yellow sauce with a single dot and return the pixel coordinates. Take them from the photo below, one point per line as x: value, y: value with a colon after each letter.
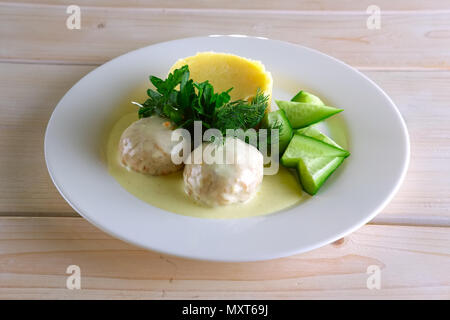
x: 277, y: 192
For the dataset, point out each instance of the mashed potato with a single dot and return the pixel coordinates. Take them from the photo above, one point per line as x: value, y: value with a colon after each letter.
x: 224, y: 70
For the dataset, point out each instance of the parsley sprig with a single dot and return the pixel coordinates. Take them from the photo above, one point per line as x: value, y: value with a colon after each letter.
x: 183, y: 101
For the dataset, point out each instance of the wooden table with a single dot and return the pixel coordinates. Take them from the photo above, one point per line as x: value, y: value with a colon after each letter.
x: 40, y: 235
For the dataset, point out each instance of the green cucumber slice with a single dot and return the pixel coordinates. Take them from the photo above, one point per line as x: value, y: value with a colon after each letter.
x: 303, y: 147
x: 316, y: 134
x: 303, y: 96
x: 313, y: 173
x: 302, y: 114
x: 278, y: 120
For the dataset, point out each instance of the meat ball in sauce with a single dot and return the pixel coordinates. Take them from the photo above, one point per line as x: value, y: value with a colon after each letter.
x: 218, y: 184
x: 145, y: 147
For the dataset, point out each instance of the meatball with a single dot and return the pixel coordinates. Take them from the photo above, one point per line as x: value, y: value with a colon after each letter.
x: 235, y: 180
x: 145, y: 147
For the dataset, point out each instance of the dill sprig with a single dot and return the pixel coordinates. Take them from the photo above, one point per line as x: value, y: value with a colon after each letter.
x: 241, y: 114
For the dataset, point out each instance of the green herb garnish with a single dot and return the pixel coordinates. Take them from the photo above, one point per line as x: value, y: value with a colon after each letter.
x: 183, y: 101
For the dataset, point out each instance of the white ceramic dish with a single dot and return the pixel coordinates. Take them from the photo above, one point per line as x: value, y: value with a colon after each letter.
x: 370, y: 127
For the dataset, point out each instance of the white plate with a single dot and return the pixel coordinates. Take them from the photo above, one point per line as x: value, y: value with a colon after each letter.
x: 370, y: 127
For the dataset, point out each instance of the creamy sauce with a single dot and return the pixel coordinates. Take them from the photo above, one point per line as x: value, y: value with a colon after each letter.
x: 277, y: 192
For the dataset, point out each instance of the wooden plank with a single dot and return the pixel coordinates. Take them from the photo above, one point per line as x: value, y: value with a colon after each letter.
x: 405, y: 40
x: 30, y: 92
x: 35, y: 253
x: 322, y: 5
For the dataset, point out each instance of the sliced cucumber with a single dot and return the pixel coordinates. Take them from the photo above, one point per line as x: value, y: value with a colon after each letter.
x: 303, y: 96
x: 316, y: 134
x: 314, y: 155
x: 278, y: 120
x: 303, y: 147
x: 302, y: 114
x: 313, y: 172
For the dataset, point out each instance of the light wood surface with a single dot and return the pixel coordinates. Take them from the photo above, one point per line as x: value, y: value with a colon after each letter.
x: 38, y: 33
x: 35, y: 252
x: 270, y: 5
x: 40, y: 235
